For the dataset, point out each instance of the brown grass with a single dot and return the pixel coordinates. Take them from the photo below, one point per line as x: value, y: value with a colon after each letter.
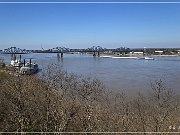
x: 61, y: 102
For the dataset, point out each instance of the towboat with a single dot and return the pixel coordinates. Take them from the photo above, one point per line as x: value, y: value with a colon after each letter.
x: 29, y: 68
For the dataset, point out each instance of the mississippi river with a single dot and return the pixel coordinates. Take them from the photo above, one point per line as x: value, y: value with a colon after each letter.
x: 117, y: 74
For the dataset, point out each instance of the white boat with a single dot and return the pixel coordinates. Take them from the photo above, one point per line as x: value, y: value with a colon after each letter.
x: 29, y: 68
x: 148, y: 58
x: 106, y: 56
x: 15, y: 62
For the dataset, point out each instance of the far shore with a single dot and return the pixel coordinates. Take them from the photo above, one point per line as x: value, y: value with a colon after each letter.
x: 165, y: 55
x: 147, y: 55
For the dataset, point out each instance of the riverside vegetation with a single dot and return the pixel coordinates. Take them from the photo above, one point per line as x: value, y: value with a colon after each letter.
x: 57, y: 101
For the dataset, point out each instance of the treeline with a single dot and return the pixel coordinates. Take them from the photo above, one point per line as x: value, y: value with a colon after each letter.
x: 58, y: 101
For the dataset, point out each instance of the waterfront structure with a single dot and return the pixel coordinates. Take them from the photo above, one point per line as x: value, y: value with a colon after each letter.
x: 137, y: 53
x: 158, y: 52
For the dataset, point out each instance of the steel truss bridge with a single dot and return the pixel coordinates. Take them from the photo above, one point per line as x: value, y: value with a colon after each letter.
x: 91, y: 49
x: 14, y: 50
x: 62, y: 49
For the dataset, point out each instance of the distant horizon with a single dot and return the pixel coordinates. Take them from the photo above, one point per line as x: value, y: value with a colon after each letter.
x: 102, y: 47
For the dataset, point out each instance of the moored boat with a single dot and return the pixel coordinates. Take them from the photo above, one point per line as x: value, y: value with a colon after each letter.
x: 106, y: 56
x: 29, y: 68
x: 16, y: 62
x: 148, y: 58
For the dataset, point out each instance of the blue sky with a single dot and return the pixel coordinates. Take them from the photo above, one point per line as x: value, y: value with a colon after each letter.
x: 31, y: 26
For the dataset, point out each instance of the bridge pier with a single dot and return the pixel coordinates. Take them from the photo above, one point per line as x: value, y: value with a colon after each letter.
x: 20, y: 58
x: 94, y: 54
x: 13, y: 56
x: 61, y: 54
x: 58, y: 55
x: 98, y: 54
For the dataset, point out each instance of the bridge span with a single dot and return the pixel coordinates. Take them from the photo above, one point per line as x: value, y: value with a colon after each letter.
x: 15, y: 50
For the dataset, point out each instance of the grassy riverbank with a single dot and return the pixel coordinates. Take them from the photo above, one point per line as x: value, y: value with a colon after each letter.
x: 62, y: 102
x: 3, y: 75
x: 4, y: 71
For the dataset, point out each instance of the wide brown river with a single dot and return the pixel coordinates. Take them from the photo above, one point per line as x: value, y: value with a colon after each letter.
x: 117, y: 74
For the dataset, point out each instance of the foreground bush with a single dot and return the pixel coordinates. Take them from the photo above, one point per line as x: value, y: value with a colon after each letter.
x: 2, y: 64
x: 61, y: 102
